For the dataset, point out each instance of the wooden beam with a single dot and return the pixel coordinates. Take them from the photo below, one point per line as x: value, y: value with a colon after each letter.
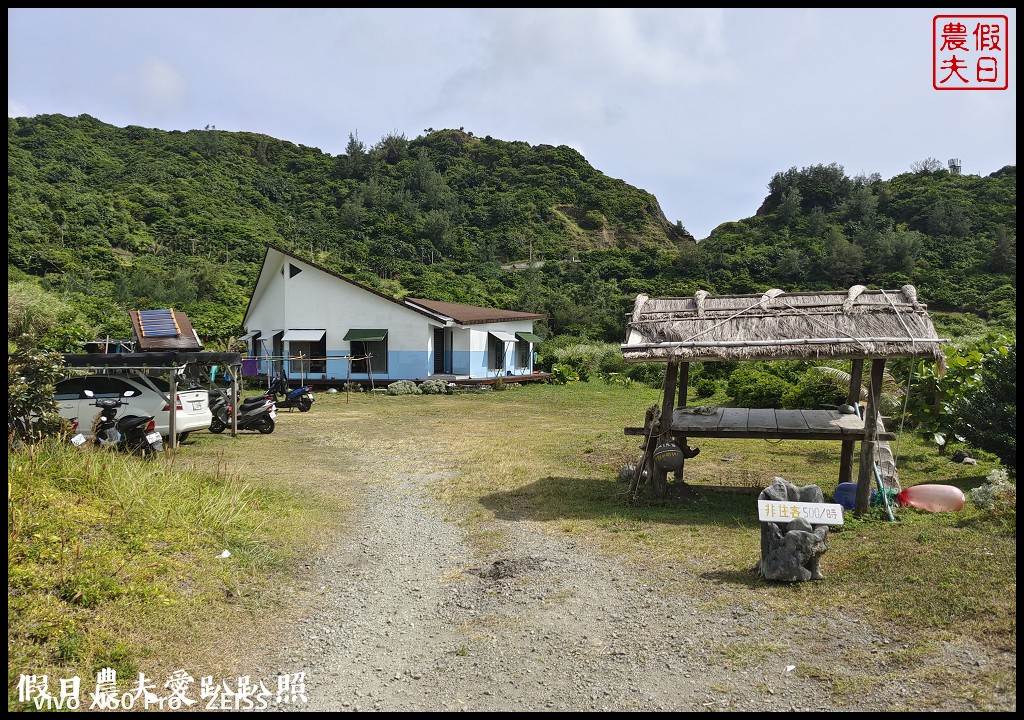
x: 671, y: 373
x: 852, y: 397
x: 684, y: 383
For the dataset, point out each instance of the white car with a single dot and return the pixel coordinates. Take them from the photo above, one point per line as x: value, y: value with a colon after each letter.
x: 150, y: 396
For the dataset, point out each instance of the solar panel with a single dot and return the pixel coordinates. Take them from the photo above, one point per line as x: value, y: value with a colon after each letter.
x: 158, y: 323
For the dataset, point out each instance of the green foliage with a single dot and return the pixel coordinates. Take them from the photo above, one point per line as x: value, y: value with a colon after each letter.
x: 109, y: 219
x: 404, y: 387
x: 31, y: 311
x: 434, y: 387
x: 98, y: 545
x: 585, y: 358
x: 704, y: 387
x: 986, y: 417
x: 811, y: 390
x: 32, y: 412
x: 937, y: 392
x: 563, y: 374
x: 997, y: 495
x: 755, y: 388
x: 650, y: 374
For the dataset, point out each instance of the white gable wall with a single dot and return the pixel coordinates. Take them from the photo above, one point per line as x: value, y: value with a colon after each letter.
x: 313, y: 299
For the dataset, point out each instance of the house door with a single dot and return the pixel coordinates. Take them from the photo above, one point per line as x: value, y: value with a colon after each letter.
x: 442, y: 353
x: 278, y: 353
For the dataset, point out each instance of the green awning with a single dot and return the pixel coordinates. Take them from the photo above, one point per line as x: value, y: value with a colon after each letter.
x: 528, y: 337
x: 366, y: 335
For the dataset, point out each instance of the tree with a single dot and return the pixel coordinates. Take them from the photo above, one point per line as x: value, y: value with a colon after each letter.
x: 987, y: 417
x: 928, y: 165
x: 789, y: 210
x: 933, y: 405
x: 32, y: 411
x: 1003, y: 258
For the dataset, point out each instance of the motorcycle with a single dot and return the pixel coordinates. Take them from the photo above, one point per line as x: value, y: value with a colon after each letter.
x: 132, y: 433
x: 255, y: 413
x: 301, y: 397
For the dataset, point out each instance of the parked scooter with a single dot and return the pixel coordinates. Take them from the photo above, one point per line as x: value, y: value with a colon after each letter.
x: 301, y: 397
x: 255, y: 413
x: 131, y: 433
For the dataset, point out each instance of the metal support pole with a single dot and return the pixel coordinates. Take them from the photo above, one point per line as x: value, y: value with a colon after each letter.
x: 172, y: 403
x: 234, y: 399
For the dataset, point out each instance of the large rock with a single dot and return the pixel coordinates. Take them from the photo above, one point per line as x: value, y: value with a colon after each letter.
x: 791, y: 551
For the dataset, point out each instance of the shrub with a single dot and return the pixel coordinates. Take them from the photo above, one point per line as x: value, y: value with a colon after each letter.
x: 404, y: 387
x: 704, y: 388
x: 811, y: 390
x: 563, y: 374
x: 651, y: 374
x: 998, y: 494
x: 987, y: 417
x: 757, y: 388
x: 434, y: 387
x: 32, y: 412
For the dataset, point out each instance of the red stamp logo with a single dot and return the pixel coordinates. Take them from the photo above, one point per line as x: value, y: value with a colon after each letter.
x: 970, y: 52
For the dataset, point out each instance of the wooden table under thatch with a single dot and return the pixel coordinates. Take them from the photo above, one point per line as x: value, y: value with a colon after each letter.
x: 855, y: 325
x: 730, y: 422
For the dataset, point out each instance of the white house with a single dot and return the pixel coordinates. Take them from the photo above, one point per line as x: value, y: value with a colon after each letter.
x: 313, y: 324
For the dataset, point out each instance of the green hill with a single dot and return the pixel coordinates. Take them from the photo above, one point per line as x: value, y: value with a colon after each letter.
x: 104, y: 219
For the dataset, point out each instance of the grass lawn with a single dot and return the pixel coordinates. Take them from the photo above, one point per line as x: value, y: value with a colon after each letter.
x: 113, y: 561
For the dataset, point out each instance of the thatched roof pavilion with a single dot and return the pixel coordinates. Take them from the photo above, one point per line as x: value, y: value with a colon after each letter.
x: 856, y: 324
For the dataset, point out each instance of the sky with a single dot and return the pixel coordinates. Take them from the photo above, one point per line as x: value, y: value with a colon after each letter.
x: 699, y: 107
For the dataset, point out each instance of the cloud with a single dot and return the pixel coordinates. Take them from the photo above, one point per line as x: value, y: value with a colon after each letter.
x: 156, y: 89
x: 586, y: 68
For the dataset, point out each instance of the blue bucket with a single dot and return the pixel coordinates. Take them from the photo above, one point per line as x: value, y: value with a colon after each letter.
x: 846, y: 495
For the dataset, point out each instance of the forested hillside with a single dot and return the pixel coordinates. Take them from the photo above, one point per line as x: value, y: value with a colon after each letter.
x: 104, y: 219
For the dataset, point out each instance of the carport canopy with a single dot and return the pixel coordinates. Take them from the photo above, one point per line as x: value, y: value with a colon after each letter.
x: 142, y: 362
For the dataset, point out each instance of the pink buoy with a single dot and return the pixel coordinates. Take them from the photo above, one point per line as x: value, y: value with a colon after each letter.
x: 933, y: 498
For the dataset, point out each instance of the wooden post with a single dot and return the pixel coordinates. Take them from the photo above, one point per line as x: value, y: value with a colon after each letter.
x: 865, y: 478
x: 671, y: 373
x: 659, y: 486
x: 684, y: 384
x: 348, y: 381
x: 684, y: 387
x: 853, y: 397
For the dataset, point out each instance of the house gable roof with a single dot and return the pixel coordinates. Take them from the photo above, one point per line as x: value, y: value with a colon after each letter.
x: 776, y: 325
x: 275, y: 249
x: 438, y: 311
x: 471, y: 314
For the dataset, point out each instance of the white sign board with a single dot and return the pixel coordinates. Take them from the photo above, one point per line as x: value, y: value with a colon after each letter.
x: 783, y: 511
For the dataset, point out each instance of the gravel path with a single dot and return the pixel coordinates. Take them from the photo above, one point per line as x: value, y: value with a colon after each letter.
x: 405, y: 616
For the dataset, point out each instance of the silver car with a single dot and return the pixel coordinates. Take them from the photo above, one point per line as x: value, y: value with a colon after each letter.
x: 150, y: 396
